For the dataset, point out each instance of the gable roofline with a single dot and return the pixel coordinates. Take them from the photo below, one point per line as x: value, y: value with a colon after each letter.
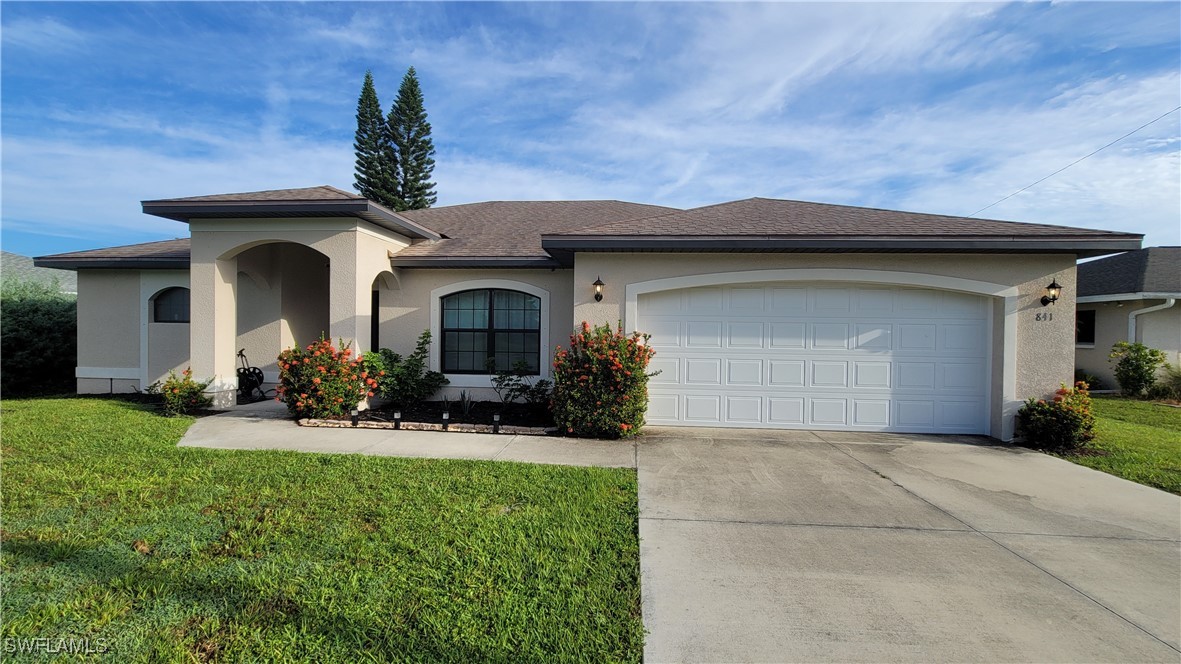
x: 160, y: 255
x: 322, y: 201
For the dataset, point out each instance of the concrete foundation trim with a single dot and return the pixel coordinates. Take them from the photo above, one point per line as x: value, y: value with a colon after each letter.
x: 1009, y: 401
x: 119, y: 373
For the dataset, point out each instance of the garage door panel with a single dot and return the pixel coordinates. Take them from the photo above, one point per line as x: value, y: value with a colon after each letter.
x: 830, y: 374
x: 744, y: 335
x: 744, y: 372
x: 747, y: 301
x: 701, y: 408
x: 848, y: 357
x: 830, y: 336
x: 788, y: 335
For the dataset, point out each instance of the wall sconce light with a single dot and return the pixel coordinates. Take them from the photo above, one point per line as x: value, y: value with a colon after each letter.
x: 598, y: 289
x: 1052, y: 293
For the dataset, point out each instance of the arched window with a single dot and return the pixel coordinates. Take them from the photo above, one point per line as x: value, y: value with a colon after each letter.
x: 501, y: 326
x: 171, y: 305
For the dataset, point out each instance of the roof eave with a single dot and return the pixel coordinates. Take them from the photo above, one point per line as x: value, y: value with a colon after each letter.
x: 1124, y: 297
x: 359, y: 208
x: 112, y: 263
x: 561, y: 246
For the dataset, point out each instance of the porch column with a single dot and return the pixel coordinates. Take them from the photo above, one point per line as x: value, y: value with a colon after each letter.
x: 213, y: 328
x: 349, y: 301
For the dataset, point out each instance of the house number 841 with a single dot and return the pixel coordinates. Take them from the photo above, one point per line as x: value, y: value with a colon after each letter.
x: 1042, y: 317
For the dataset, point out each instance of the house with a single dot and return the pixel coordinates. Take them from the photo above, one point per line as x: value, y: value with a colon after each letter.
x: 15, y: 267
x: 763, y: 313
x: 1128, y: 297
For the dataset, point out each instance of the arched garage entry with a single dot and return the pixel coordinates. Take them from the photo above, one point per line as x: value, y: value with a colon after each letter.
x: 822, y: 349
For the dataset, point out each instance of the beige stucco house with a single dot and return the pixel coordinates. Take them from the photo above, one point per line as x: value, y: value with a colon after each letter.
x: 763, y: 313
x: 1128, y: 297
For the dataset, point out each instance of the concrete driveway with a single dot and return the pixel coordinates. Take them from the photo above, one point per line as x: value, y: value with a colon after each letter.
x: 800, y: 546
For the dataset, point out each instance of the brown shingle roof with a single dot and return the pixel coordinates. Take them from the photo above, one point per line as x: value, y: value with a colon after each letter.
x: 163, y: 254
x: 512, y: 229
x: 1151, y: 270
x: 320, y: 193
x: 774, y: 217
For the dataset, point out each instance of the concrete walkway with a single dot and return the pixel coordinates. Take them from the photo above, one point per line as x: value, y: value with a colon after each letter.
x: 775, y: 546
x: 266, y: 426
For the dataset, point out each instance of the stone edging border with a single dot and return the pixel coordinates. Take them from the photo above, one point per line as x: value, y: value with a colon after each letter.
x: 425, y: 426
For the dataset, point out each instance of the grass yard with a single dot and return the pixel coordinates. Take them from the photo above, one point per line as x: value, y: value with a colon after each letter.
x: 1141, y: 441
x: 112, y: 532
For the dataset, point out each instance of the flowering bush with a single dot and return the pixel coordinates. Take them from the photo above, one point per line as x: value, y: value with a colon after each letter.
x: 182, y: 395
x: 1063, y: 424
x: 322, y: 380
x: 408, y: 380
x: 601, y: 383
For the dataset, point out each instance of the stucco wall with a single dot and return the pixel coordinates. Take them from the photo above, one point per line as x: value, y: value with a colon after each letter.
x: 1043, y: 349
x: 108, y: 330
x: 1157, y: 329
x: 168, y: 349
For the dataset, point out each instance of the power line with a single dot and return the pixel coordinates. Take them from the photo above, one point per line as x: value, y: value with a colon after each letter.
x: 1161, y: 117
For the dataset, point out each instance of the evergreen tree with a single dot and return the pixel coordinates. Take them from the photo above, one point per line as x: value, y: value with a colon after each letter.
x: 375, y: 170
x: 410, y: 138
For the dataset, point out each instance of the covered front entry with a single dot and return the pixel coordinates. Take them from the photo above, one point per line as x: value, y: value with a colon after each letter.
x: 836, y: 356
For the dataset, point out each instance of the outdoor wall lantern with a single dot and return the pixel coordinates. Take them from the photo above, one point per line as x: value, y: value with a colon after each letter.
x: 598, y: 289
x: 1052, y: 293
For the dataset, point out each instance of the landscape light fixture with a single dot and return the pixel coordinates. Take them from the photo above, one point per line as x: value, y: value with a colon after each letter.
x: 355, y: 415
x: 496, y: 423
x: 1052, y: 293
x: 397, y: 419
x: 598, y: 289
x: 446, y: 418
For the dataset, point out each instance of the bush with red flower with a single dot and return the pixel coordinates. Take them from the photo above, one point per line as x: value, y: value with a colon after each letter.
x: 181, y: 394
x: 601, y: 383
x: 1063, y: 424
x: 322, y: 380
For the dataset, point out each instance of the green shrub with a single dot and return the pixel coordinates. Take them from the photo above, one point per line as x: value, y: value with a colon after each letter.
x: 322, y: 380
x: 1168, y: 384
x: 1135, y: 368
x: 407, y: 380
x: 181, y: 394
x: 38, y: 339
x: 516, y: 383
x: 1093, y: 382
x: 601, y: 383
x: 1063, y: 424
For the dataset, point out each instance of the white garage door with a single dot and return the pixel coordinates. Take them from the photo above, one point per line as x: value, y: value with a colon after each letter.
x: 822, y: 356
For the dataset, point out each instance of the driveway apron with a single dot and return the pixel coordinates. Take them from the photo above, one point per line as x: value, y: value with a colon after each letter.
x: 768, y: 546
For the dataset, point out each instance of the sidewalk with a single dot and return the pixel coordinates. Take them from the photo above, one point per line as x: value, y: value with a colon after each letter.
x: 265, y: 426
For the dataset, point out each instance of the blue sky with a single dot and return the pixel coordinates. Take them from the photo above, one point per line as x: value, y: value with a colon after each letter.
x: 939, y: 108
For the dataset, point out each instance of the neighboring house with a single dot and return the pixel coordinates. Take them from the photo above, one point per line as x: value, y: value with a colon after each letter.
x: 20, y: 268
x: 1128, y: 297
x: 763, y: 313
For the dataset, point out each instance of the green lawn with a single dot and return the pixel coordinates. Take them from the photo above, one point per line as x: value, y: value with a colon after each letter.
x: 175, y: 554
x: 1141, y: 441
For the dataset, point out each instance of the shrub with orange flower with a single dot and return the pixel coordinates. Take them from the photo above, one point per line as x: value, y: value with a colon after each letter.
x: 331, y: 387
x: 181, y: 394
x: 1062, y: 424
x: 601, y: 383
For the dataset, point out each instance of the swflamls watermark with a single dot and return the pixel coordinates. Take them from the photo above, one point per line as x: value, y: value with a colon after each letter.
x: 57, y: 646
